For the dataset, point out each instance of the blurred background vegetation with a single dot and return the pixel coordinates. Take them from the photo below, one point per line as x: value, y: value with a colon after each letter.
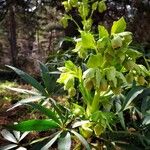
x: 30, y: 29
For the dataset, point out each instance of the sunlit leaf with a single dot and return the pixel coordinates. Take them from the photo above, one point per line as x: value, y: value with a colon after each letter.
x: 21, y: 148
x: 83, y: 10
x: 89, y: 73
x: 26, y: 77
x: 102, y: 32
x: 102, y: 6
x: 23, y: 135
x: 7, y: 147
x: 88, y: 41
x: 94, y: 6
x: 146, y: 120
x: 27, y: 100
x: 132, y: 94
x: 118, y: 26
x: 95, y: 61
x: 17, y: 134
x: 24, y: 91
x: 8, y: 136
x: 64, y: 143
x: 83, y: 141
x: 50, y: 143
x: 80, y: 123
x: 35, y: 125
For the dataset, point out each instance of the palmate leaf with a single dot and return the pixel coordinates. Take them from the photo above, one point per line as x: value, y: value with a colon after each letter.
x: 133, y: 93
x: 58, y: 109
x: 23, y: 91
x: 46, y: 111
x: 8, y: 136
x: 26, y: 77
x: 50, y: 143
x: 27, y: 100
x: 65, y: 142
x: 34, y: 125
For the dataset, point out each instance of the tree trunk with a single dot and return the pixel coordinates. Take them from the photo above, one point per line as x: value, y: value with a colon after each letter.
x: 12, y: 36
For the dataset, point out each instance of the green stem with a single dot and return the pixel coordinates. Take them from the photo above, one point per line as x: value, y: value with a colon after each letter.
x: 86, y: 95
x: 76, y: 23
x: 148, y: 67
x: 95, y: 104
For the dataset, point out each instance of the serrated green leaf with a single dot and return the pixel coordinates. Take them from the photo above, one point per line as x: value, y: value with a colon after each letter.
x: 88, y: 41
x: 118, y: 26
x: 102, y: 117
x: 98, y: 129
x: 87, y: 24
x: 111, y: 75
x: 102, y: 6
x: 74, y: 2
x: 70, y: 66
x: 95, y: 61
x: 69, y: 82
x: 63, y: 77
x: 121, y: 76
x: 67, y: 6
x: 133, y: 53
x: 64, y: 143
x: 29, y: 80
x: 102, y: 44
x: 64, y: 22
x: 35, y: 125
x: 83, y: 10
x: 102, y: 32
x: 77, y: 109
x: 143, y: 70
x: 94, y: 6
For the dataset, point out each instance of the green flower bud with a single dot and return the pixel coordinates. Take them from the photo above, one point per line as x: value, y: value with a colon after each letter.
x: 116, y: 42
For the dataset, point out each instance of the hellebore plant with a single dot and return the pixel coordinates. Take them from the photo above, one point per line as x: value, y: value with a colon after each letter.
x: 109, y: 65
x: 108, y: 68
